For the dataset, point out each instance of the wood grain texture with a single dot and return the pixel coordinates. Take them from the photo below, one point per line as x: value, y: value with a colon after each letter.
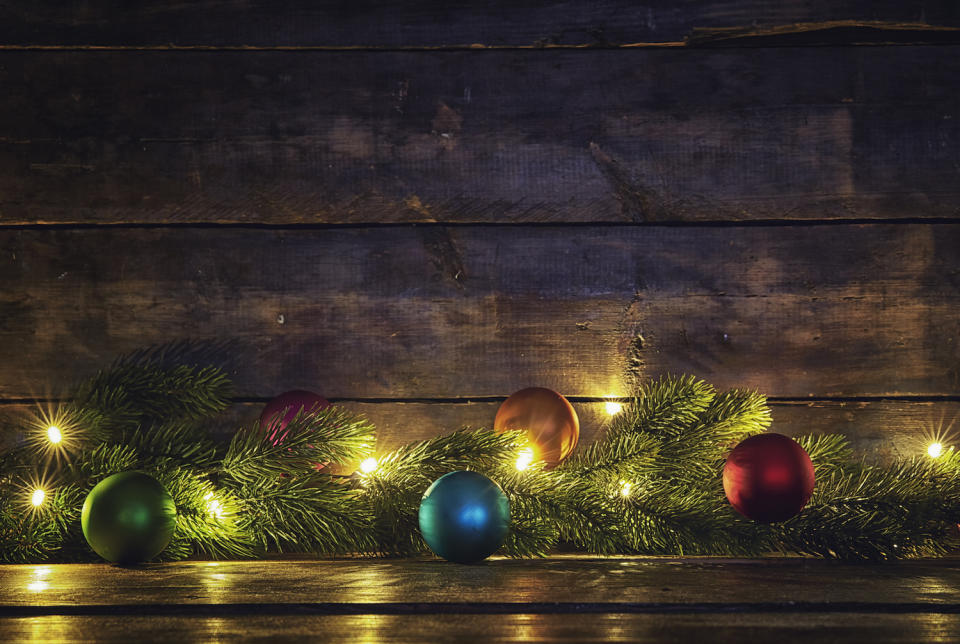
x: 437, y: 312
x: 878, y: 430
x: 394, y: 23
x: 556, y: 599
x: 638, y: 580
x: 520, y: 136
x: 757, y: 628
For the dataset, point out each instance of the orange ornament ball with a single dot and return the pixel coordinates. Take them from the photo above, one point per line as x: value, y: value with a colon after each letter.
x: 548, y: 418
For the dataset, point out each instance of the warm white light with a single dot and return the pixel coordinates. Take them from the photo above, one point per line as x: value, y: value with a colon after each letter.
x: 525, y: 459
x: 38, y: 497
x: 369, y: 465
x: 934, y: 450
x: 625, y: 487
x: 54, y: 435
x: 214, y: 507
x: 613, y: 408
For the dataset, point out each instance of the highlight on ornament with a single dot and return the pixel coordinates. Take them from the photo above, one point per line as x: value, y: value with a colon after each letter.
x: 525, y: 459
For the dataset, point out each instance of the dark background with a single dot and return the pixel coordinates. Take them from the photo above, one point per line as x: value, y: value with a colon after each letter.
x: 419, y: 208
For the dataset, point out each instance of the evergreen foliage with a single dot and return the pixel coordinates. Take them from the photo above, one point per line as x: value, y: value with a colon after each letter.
x: 651, y: 484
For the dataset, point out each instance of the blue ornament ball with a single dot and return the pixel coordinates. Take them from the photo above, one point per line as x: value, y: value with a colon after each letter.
x: 464, y: 517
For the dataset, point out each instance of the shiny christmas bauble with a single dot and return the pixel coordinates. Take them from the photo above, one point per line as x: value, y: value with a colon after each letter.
x: 548, y: 418
x: 464, y: 517
x: 128, y: 518
x: 768, y: 478
x: 284, y: 408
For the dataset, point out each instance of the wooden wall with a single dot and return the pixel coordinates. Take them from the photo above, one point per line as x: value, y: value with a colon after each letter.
x: 417, y: 210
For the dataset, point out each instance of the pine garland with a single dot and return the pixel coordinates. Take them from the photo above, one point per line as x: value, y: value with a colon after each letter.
x: 650, y: 484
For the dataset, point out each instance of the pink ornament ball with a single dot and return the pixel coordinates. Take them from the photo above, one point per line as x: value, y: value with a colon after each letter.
x: 284, y: 408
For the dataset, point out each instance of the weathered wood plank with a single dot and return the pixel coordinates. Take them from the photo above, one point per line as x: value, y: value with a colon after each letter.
x: 556, y: 579
x: 528, y: 136
x: 879, y: 429
x: 435, y: 312
x: 752, y: 627
x: 846, y: 32
x: 369, y: 23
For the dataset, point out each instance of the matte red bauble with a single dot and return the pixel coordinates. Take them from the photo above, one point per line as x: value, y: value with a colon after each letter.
x: 549, y: 419
x: 768, y: 478
x: 281, y: 410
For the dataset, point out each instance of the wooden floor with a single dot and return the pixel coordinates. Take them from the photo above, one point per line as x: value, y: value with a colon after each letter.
x: 571, y: 599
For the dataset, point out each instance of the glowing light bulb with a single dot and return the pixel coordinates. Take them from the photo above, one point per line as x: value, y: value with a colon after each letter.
x: 38, y: 497
x: 525, y: 459
x: 214, y: 507
x: 934, y: 450
x: 369, y: 465
x: 54, y: 435
x: 613, y: 408
x: 625, y: 487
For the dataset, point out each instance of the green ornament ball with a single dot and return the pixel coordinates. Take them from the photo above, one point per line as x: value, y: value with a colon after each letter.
x: 128, y: 518
x: 464, y: 517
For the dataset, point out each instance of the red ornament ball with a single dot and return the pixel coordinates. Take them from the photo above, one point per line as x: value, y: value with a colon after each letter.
x: 284, y: 408
x: 768, y: 478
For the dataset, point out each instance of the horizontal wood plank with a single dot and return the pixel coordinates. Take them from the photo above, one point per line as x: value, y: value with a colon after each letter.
x: 565, y: 598
x: 877, y: 429
x: 524, y: 136
x: 369, y: 23
x: 435, y: 312
x: 401, y: 629
x: 576, y: 578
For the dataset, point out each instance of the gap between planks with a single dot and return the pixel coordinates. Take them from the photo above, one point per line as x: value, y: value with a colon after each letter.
x: 468, y: 400
x: 719, y: 223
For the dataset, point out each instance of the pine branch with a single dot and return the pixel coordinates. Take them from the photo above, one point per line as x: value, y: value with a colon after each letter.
x: 208, y: 519
x: 650, y: 484
x: 696, y: 450
x: 664, y: 407
x: 829, y: 452
x: 132, y: 393
x: 180, y: 442
x: 306, y: 514
x: 878, y: 512
x: 665, y: 520
x: 621, y: 455
x: 103, y: 460
x: 332, y: 434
